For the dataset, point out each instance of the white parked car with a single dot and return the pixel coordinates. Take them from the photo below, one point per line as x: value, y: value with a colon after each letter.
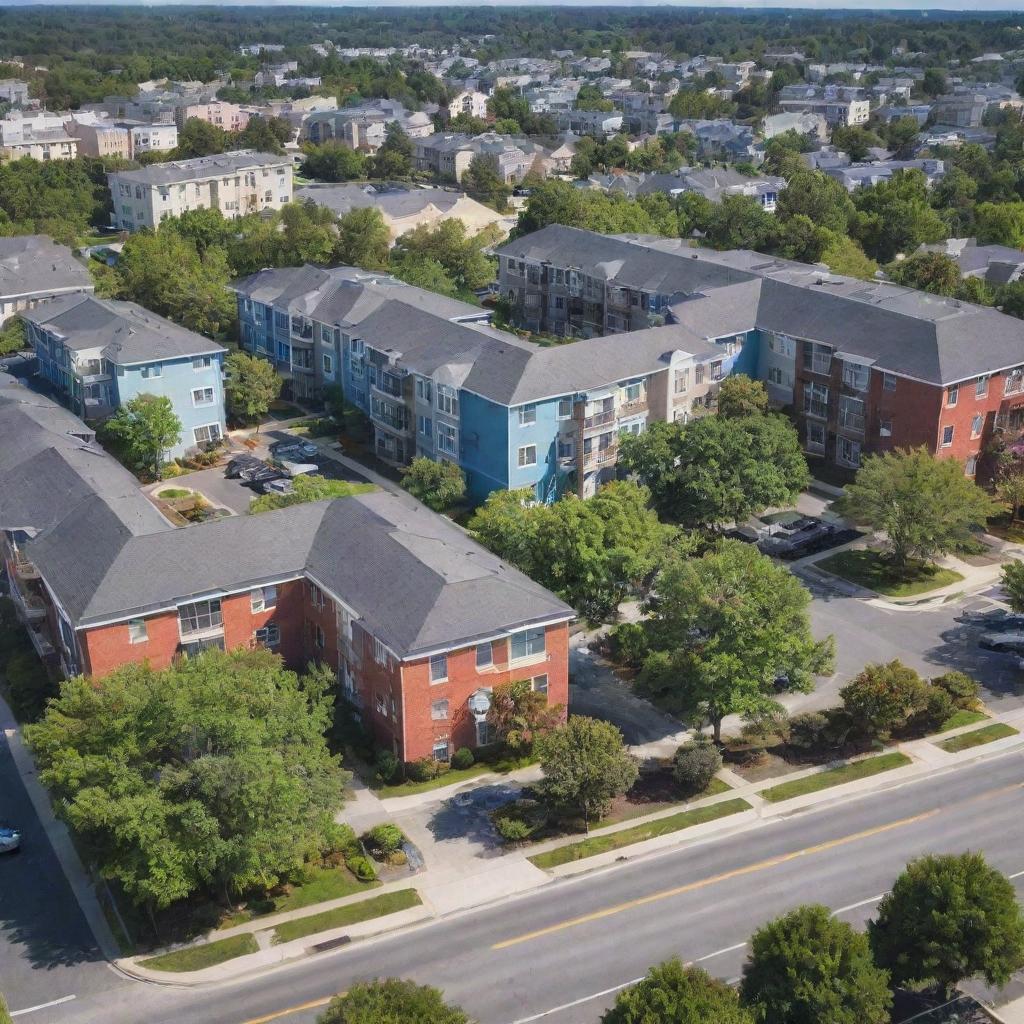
x: 298, y: 468
x: 10, y: 838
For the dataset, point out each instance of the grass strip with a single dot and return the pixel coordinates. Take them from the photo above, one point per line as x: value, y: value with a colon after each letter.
x: 835, y: 777
x: 976, y: 737
x: 354, y: 913
x: 962, y: 718
x: 594, y: 845
x: 869, y: 569
x: 195, y: 958
x: 454, y: 776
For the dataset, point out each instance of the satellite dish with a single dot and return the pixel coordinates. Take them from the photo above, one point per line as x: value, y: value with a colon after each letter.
x: 480, y: 703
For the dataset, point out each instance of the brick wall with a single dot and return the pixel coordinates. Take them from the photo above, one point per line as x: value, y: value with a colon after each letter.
x: 104, y: 648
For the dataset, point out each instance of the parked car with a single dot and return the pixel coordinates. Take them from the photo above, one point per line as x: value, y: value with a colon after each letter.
x: 279, y: 485
x: 1011, y: 643
x: 260, y: 475
x: 800, y: 538
x: 10, y: 838
x: 294, y: 450
x: 297, y: 468
x: 239, y: 464
x: 746, y: 534
x: 995, y: 620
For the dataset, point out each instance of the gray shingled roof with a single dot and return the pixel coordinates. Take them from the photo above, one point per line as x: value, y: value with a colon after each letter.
x: 125, y: 332
x: 177, y: 171
x: 37, y: 265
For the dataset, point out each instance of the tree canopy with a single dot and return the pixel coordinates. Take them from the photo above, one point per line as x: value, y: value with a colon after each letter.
x: 680, y: 995
x: 144, y: 429
x: 209, y: 776
x: 252, y: 384
x: 391, y: 1001
x: 440, y: 484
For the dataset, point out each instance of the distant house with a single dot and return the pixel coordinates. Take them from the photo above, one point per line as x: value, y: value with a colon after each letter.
x: 854, y: 176
x: 811, y: 125
x: 468, y: 102
x: 996, y: 264
x: 365, y: 127
x: 589, y: 122
x: 98, y: 354
x: 33, y: 269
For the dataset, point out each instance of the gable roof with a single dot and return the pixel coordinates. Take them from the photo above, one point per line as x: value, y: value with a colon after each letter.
x: 37, y: 265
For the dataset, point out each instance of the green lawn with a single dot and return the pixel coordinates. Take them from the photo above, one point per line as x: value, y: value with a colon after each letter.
x: 324, y: 884
x: 976, y: 737
x: 170, y: 493
x: 594, y: 845
x: 962, y: 718
x: 454, y: 775
x: 835, y: 777
x: 195, y: 958
x: 871, y: 570
x: 365, y: 910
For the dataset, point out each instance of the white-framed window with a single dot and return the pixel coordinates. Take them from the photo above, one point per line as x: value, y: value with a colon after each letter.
x: 200, y: 617
x: 947, y: 436
x: 439, y: 710
x: 484, y: 655
x: 716, y: 370
x: 328, y: 362
x: 317, y: 598
x: 268, y: 635
x: 856, y: 376
x: 889, y: 381
x: 202, y: 362
x: 380, y: 652
x: 815, y: 437
x: 207, y: 434
x: 848, y: 452
x: 539, y: 684
x: 425, y: 425
x: 565, y: 408
x: 153, y: 370
x: 977, y: 423
x: 527, y: 415
x: 952, y: 394
x: 438, y: 668
x: 971, y: 466
x: 816, y: 400
x: 447, y: 400
x: 782, y: 344
x: 682, y: 380
x: 203, y: 396
x: 423, y: 389
x: 980, y: 389
x: 632, y: 392
x: 440, y: 750
x: 447, y: 438
x: 528, y: 643
x: 885, y: 428
x: 137, y: 633
x: 777, y: 375
x: 484, y: 733
x: 263, y: 598
x: 527, y: 455
x: 817, y: 358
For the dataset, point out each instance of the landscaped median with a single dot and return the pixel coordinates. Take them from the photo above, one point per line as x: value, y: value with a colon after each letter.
x: 209, y: 954
x: 871, y: 570
x: 977, y: 737
x: 593, y: 845
x: 835, y: 777
x: 352, y: 913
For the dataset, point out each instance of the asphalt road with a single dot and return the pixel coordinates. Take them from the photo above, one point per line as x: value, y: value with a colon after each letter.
x: 47, y: 950
x: 557, y: 955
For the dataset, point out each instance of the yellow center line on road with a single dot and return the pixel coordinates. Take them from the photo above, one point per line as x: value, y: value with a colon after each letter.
x: 314, y: 1004
x: 680, y: 890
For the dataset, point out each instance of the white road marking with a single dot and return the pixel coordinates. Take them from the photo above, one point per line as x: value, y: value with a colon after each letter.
x: 719, y: 952
x: 41, y: 1006
x: 863, y: 903
x: 1016, y: 875
x: 577, y: 1002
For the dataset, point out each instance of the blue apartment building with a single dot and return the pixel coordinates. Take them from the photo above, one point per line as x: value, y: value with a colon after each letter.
x: 98, y: 354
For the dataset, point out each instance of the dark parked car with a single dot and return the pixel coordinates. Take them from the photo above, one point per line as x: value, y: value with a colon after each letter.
x: 240, y: 463
x: 802, y: 537
x: 260, y: 475
x: 294, y: 451
x: 10, y: 838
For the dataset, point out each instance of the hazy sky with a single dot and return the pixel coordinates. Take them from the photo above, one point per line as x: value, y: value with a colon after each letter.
x: 857, y: 5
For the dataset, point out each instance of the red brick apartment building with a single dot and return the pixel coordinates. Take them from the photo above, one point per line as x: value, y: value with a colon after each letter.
x: 413, y: 615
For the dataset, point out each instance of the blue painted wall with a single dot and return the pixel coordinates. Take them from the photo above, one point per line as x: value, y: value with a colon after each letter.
x: 483, y: 440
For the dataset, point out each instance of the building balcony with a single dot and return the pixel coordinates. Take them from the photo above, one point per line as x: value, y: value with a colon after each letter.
x: 599, y: 420
x: 600, y: 456
x: 399, y: 424
x: 40, y: 639
x: 30, y: 605
x: 384, y: 388
x: 1014, y: 384
x: 638, y: 405
x: 24, y: 568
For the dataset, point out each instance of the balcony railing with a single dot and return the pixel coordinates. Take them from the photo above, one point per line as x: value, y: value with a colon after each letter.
x: 635, y: 406
x: 388, y: 387
x: 601, y: 456
x: 399, y: 423
x: 852, y: 421
x: 814, y: 408
x: 24, y: 568
x: 1014, y: 384
x: 600, y: 419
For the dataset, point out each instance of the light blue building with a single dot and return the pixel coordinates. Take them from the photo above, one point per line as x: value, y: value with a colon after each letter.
x: 98, y: 354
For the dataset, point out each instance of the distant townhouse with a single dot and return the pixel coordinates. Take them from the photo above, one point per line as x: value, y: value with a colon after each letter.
x: 722, y: 139
x: 470, y: 102
x: 365, y: 127
x: 959, y: 110
x: 235, y: 183
x: 34, y: 269
x: 98, y: 354
x: 39, y: 135
x: 14, y: 91
x: 101, y: 138
x: 866, y: 367
x: 589, y: 122
x: 854, y: 176
x: 837, y: 105
x: 813, y: 126
x: 418, y: 622
x: 996, y: 264
x: 449, y: 155
x: 229, y: 116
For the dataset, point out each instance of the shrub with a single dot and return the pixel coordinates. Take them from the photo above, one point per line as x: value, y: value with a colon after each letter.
x: 340, y: 838
x: 396, y: 858
x: 362, y: 867
x: 28, y: 685
x: 463, y: 758
x: 961, y: 687
x: 939, y: 706
x: 387, y: 764
x: 423, y: 770
x: 387, y: 838
x: 696, y: 764
x: 763, y: 727
x: 512, y: 830
x: 628, y: 644
x: 883, y: 698
x: 809, y: 731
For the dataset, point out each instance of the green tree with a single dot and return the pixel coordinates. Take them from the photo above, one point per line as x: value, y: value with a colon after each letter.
x: 895, y: 216
x: 740, y: 222
x: 933, y: 272
x: 394, y: 158
x: 164, y: 272
x: 333, y: 161
x: 199, y: 138
x: 934, y: 82
x: 1012, y: 580
x: 251, y: 385
x: 459, y: 254
x: 817, y: 196
x: 520, y: 715
x: 265, y: 135
x: 13, y: 337
x: 739, y: 396
x: 724, y: 627
x: 5, y: 1017
x: 855, y: 140
x: 145, y: 428
x: 801, y: 239
x: 483, y: 181
x: 674, y: 994
x: 949, y: 918
x: 391, y: 1001
x: 715, y: 469
x: 699, y: 104
x: 925, y: 505
x: 1010, y: 489
x: 592, y: 552
x: 424, y: 273
x: 363, y: 239
x: 1000, y: 224
x: 808, y: 968
x: 585, y: 766
x: 209, y: 776
x: 440, y: 485
x: 590, y: 97
x: 843, y: 255
x: 309, y: 487
x: 883, y: 698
